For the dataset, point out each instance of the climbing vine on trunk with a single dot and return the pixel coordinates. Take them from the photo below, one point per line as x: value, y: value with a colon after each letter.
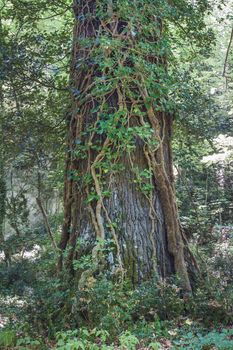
x: 119, y: 179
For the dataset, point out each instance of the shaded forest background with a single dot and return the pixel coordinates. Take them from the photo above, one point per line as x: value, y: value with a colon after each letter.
x: 43, y: 308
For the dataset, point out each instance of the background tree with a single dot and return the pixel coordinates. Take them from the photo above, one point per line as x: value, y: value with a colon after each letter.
x: 34, y: 66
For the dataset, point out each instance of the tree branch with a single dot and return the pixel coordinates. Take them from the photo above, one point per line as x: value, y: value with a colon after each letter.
x: 45, y: 217
x: 227, y: 54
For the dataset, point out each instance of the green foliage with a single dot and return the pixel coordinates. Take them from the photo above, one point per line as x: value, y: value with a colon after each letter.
x: 26, y: 343
x: 7, y: 338
x: 155, y: 298
x: 212, y: 340
x: 128, y: 341
x: 82, y: 339
x: 85, y: 262
x: 213, y: 302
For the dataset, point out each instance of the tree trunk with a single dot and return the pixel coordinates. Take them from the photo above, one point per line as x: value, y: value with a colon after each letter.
x: 2, y: 162
x: 119, y: 180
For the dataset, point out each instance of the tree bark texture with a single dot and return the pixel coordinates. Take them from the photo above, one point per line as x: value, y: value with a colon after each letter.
x: 120, y: 190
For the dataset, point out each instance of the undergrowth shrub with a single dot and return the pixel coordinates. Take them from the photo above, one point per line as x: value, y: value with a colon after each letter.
x: 56, y: 303
x: 213, y: 340
x: 7, y: 338
x: 156, y: 298
x: 212, y: 303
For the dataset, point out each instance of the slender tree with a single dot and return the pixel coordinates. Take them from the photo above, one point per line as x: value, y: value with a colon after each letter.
x: 2, y: 170
x: 119, y: 182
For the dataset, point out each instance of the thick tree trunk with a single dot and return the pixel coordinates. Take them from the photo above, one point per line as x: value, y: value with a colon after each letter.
x: 119, y: 181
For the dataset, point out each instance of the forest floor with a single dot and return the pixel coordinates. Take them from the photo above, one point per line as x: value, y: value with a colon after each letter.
x: 26, y: 309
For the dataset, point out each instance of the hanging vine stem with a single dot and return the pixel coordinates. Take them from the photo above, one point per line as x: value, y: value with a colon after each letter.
x: 99, y: 205
x: 152, y: 214
x: 97, y: 217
